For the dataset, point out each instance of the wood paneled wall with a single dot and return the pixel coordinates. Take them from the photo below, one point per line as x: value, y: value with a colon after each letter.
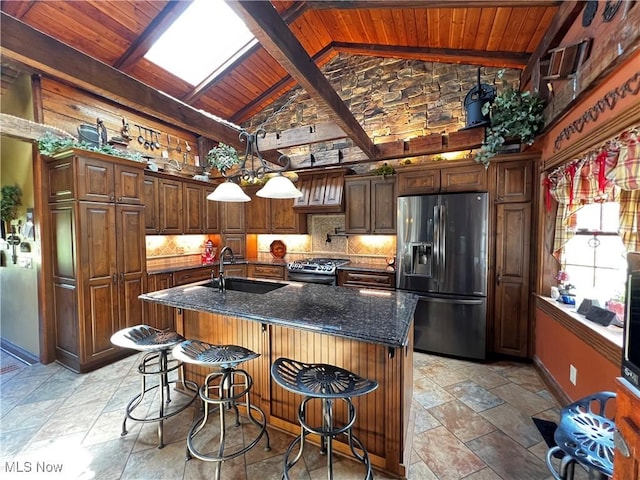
x: 67, y: 107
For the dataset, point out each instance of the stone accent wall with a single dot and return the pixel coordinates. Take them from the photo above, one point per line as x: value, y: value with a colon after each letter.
x: 392, y: 99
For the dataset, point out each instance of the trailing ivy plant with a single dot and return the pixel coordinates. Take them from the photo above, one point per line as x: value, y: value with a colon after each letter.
x: 223, y: 157
x: 49, y: 144
x: 513, y: 114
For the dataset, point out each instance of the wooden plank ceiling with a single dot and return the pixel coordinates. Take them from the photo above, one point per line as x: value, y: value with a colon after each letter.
x: 119, y: 33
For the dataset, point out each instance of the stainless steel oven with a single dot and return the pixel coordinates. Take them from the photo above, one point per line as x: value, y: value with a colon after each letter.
x: 315, y: 270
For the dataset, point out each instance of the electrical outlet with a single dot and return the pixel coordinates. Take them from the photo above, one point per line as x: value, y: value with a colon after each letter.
x: 573, y: 374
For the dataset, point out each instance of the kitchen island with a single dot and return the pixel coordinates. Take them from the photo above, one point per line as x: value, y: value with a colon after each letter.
x: 369, y: 332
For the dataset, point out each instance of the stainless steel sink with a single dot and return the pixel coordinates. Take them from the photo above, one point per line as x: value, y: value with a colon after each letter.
x: 247, y: 286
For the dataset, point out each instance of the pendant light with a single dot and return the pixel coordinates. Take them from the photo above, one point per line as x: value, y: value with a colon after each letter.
x: 254, y: 168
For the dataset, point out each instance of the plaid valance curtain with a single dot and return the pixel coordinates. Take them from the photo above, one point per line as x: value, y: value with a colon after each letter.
x: 608, y: 174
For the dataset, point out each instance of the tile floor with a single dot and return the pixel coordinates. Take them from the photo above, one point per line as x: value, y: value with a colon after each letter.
x: 472, y: 421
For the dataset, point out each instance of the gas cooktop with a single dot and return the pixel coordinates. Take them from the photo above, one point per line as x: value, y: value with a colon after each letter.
x: 321, y: 265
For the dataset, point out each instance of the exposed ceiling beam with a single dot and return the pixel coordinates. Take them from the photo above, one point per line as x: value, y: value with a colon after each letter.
x: 297, y: 9
x: 17, y: 9
x: 444, y: 55
x: 562, y: 21
x: 27, y: 46
x: 153, y: 32
x: 274, y: 35
x: 396, y: 4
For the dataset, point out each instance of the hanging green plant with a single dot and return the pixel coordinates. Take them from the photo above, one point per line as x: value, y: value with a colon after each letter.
x: 223, y: 157
x: 49, y: 144
x: 513, y: 114
x: 384, y: 170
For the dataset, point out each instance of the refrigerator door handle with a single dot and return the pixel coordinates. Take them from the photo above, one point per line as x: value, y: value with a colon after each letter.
x: 443, y: 242
x: 436, y: 242
x: 457, y: 301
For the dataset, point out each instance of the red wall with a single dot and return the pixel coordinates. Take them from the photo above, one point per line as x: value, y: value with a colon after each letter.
x: 557, y: 348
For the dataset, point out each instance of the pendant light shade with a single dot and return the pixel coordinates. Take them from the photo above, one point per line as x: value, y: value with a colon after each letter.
x: 228, y: 192
x: 279, y: 187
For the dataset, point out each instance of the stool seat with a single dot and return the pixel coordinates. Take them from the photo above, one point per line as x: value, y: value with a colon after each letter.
x: 586, y: 437
x: 145, y: 338
x: 205, y: 354
x: 319, y: 380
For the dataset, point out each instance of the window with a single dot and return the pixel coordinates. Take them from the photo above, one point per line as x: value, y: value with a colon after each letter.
x: 595, y: 257
x: 203, y: 40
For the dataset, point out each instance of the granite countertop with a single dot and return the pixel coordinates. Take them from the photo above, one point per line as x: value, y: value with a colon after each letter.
x: 374, y: 317
x: 177, y: 265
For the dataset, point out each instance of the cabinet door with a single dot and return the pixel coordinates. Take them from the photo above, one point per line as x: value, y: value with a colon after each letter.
x: 511, y: 307
x: 95, y: 180
x: 192, y: 275
x: 170, y: 206
x: 514, y: 181
x: 334, y: 190
x: 151, y: 217
x: 236, y: 242
x: 131, y: 263
x: 159, y: 316
x: 129, y: 185
x: 193, y: 208
x: 383, y: 205
x: 275, y: 272
x: 284, y: 219
x: 231, y: 270
x: 233, y: 217
x: 464, y: 179
x: 382, y: 280
x: 417, y: 182
x: 628, y: 426
x: 317, y: 191
x: 99, y: 316
x: 61, y: 180
x: 358, y: 205
x: 304, y: 185
x: 257, y: 214
x: 211, y: 213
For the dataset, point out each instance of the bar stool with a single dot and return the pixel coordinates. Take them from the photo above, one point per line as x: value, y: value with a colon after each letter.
x: 584, y: 437
x: 328, y: 383
x: 156, y: 345
x: 224, y: 389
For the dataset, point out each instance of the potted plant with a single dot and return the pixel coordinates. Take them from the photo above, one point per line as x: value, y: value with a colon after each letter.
x: 11, y: 200
x: 223, y: 157
x: 513, y: 114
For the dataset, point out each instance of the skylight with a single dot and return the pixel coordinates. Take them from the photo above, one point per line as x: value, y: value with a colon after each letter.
x: 205, y: 37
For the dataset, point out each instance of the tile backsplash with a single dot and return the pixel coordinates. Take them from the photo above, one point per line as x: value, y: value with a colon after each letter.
x: 368, y: 248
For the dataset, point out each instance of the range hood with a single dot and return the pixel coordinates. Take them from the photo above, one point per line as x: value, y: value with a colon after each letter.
x: 322, y: 191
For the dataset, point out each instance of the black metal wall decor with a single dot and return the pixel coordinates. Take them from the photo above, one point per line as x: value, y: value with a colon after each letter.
x: 474, y: 101
x: 610, y: 10
x: 589, y: 12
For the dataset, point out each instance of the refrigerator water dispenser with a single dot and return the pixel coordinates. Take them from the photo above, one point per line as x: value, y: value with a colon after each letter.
x: 422, y: 259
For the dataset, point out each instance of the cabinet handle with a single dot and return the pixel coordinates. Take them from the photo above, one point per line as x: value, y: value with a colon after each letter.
x: 499, y: 278
x: 122, y: 277
x: 621, y: 444
x: 112, y: 196
x: 114, y: 278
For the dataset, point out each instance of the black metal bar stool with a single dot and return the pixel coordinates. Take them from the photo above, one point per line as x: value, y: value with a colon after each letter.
x: 156, y: 345
x: 224, y: 389
x: 328, y: 383
x: 584, y: 437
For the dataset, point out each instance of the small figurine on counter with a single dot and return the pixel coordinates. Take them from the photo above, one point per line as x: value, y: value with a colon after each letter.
x: 209, y: 252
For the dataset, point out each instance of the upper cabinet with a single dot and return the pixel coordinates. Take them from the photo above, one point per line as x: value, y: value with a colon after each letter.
x: 80, y: 177
x: 174, y: 206
x: 270, y: 215
x: 321, y: 192
x: 370, y: 205
x: 514, y: 181
x: 438, y: 177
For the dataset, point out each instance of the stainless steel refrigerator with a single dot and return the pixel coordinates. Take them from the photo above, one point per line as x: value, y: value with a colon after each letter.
x: 442, y: 257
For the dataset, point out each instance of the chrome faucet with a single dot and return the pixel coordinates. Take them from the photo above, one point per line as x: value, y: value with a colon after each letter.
x: 221, y: 279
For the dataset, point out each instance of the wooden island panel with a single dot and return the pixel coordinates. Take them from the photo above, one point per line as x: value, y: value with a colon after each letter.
x: 382, y: 422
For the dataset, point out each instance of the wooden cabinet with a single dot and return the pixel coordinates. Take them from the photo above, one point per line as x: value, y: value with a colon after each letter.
x: 370, y: 205
x: 628, y: 429
x: 99, y: 261
x: 367, y: 279
x: 156, y: 315
x: 271, y: 215
x: 237, y: 242
x: 426, y: 179
x: 321, y: 192
x: 275, y: 272
x: 193, y: 208
x: 191, y: 275
x: 150, y: 195
x: 511, y: 305
x: 233, y: 217
x: 170, y: 211
x: 514, y: 181
x: 235, y: 270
